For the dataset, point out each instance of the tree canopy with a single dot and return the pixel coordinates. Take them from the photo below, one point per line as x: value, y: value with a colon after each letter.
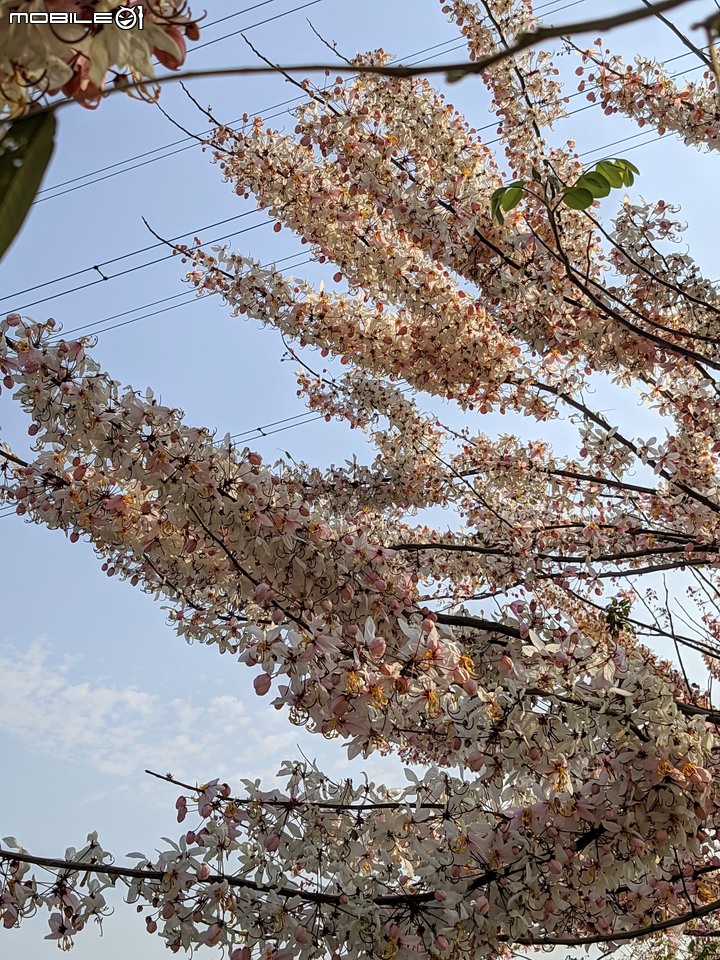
x: 572, y: 783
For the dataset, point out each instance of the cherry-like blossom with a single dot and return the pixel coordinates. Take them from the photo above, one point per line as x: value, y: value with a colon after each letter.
x: 79, y: 59
x: 571, y: 792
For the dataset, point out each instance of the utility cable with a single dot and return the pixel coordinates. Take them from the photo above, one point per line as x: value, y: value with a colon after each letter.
x: 94, y: 173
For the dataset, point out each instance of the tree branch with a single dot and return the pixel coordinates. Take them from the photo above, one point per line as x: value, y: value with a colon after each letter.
x: 680, y: 35
x: 452, y: 71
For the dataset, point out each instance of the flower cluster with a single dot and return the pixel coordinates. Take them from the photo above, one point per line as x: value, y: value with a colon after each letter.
x: 647, y: 94
x: 572, y: 792
x: 78, y: 58
x: 445, y: 867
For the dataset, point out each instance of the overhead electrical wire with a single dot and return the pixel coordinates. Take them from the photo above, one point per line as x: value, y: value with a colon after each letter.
x: 260, y: 23
x: 305, y: 417
x: 186, y: 297
x: 190, y: 141
x: 231, y: 16
x: 141, y: 266
x: 98, y: 267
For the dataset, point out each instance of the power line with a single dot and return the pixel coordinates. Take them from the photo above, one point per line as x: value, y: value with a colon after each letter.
x: 260, y: 23
x: 189, y: 142
x: 231, y: 16
x: 125, y: 256
x: 53, y: 187
x: 141, y: 266
x: 96, y: 267
x: 263, y: 431
x: 186, y: 297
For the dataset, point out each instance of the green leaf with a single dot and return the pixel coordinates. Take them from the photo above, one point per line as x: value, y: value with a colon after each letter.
x: 596, y: 183
x: 495, y: 211
x: 25, y: 152
x: 626, y: 163
x: 577, y: 198
x: 511, y: 198
x: 614, y: 176
x: 626, y: 171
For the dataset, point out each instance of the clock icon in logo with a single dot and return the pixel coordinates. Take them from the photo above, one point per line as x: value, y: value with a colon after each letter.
x: 128, y: 17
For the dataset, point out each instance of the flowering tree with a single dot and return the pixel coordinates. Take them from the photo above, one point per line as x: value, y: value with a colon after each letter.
x: 74, y: 48
x: 573, y: 784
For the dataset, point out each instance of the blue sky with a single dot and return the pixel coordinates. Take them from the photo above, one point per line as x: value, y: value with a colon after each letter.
x: 94, y: 686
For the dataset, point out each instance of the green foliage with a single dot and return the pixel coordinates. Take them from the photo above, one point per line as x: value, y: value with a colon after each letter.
x: 617, y: 615
x: 577, y: 198
x: 593, y: 185
x: 25, y: 151
x: 703, y: 949
x: 506, y: 198
x: 598, y: 185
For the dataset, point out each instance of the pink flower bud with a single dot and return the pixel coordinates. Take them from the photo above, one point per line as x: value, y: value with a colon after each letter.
x: 476, y: 760
x: 202, y: 872
x: 261, y: 591
x: 262, y: 684
x: 377, y: 647
x: 241, y: 953
x: 482, y: 906
x: 271, y: 842
x: 555, y: 866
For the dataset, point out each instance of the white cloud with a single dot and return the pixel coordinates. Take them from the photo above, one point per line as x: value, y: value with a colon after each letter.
x: 120, y: 731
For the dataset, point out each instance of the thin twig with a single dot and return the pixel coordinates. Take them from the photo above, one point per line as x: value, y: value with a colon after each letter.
x: 452, y: 71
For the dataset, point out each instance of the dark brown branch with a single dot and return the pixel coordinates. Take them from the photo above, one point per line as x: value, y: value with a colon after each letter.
x: 138, y: 873
x: 695, y: 914
x: 603, y: 481
x: 451, y: 620
x: 553, y: 557
x: 680, y: 35
x: 452, y: 71
x: 13, y: 459
x: 295, y: 804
